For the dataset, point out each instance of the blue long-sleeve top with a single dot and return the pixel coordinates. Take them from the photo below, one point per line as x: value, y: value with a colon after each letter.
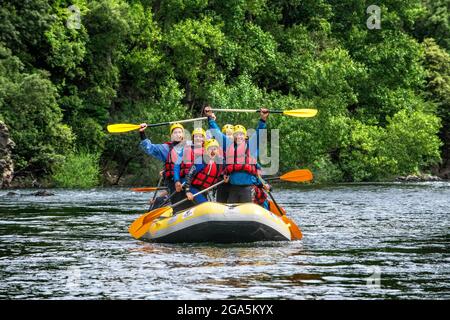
x: 176, y: 174
x: 158, y: 151
x: 161, y: 152
x: 241, y: 178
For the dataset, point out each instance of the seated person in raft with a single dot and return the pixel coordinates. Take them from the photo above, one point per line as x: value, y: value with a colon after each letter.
x: 205, y: 174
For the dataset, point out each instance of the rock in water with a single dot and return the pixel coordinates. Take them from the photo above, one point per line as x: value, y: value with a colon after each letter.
x: 43, y: 193
x: 6, y: 164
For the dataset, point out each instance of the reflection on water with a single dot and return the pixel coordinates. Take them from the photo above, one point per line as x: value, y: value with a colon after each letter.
x: 360, y: 241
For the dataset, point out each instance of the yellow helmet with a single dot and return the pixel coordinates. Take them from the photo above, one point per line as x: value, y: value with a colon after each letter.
x: 239, y: 128
x: 227, y: 127
x: 176, y: 125
x: 199, y: 131
x: 211, y: 143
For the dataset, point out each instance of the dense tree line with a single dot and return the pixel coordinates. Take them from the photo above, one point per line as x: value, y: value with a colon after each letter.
x: 68, y: 68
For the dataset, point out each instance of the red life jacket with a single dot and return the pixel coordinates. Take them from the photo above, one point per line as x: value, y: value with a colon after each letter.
x: 259, y: 195
x: 190, y: 153
x: 239, y: 159
x: 169, y: 165
x: 208, y: 176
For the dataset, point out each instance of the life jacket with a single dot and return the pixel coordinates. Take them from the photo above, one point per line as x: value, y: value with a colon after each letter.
x: 208, y: 176
x: 172, y: 157
x: 259, y: 195
x: 239, y: 159
x: 190, y: 153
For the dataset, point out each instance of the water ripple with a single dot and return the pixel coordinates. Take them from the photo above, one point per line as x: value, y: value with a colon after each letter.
x: 364, y: 241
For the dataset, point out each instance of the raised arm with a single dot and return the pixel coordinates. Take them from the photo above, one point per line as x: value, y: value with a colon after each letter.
x: 158, y: 151
x: 215, y: 129
x: 253, y: 141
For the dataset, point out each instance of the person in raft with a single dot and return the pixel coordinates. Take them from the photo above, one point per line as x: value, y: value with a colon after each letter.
x: 242, y: 178
x: 223, y: 190
x: 191, y: 153
x: 259, y: 194
x: 205, y: 174
x: 160, y: 197
x: 160, y: 200
x: 225, y: 138
x: 170, y: 153
x: 241, y: 157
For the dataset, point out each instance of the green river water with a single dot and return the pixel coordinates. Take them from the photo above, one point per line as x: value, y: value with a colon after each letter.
x: 361, y: 241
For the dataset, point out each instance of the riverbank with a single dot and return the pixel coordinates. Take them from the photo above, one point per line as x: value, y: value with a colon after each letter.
x: 109, y: 180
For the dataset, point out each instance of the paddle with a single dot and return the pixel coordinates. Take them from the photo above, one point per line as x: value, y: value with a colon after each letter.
x: 171, y: 195
x: 140, y: 226
x: 299, y: 175
x: 148, y: 189
x: 126, y: 127
x: 158, y: 187
x: 299, y: 113
x: 296, y: 234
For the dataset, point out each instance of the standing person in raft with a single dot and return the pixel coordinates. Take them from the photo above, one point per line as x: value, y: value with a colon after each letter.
x: 225, y: 138
x: 241, y: 159
x: 205, y: 174
x: 170, y: 153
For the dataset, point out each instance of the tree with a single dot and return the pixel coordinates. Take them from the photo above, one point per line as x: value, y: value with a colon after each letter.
x: 28, y: 107
x: 437, y: 64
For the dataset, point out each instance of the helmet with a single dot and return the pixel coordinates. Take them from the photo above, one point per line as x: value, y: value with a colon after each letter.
x: 211, y: 143
x: 176, y: 125
x: 227, y: 127
x: 199, y: 131
x: 239, y: 128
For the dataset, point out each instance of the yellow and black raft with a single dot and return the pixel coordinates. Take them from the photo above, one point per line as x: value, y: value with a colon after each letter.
x: 220, y: 223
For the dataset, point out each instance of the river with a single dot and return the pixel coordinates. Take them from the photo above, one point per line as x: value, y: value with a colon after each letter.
x: 361, y: 241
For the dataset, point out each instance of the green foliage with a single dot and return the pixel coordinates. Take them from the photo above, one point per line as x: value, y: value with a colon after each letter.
x: 412, y: 140
x: 28, y: 106
x: 325, y: 171
x: 437, y: 64
x: 382, y: 95
x: 67, y: 45
x: 434, y: 22
x: 23, y: 29
x: 78, y: 170
x: 408, y: 143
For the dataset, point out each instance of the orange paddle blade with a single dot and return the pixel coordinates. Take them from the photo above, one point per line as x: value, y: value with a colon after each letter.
x: 273, y: 208
x: 147, y: 189
x: 296, y: 233
x: 300, y: 175
x: 140, y: 226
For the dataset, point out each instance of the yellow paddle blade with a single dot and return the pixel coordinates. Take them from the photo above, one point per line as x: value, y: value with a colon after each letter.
x: 296, y: 233
x: 300, y: 175
x: 140, y: 226
x: 122, y: 127
x: 301, y: 113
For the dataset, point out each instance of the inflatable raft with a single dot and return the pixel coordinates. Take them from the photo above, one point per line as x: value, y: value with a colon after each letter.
x: 219, y: 223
